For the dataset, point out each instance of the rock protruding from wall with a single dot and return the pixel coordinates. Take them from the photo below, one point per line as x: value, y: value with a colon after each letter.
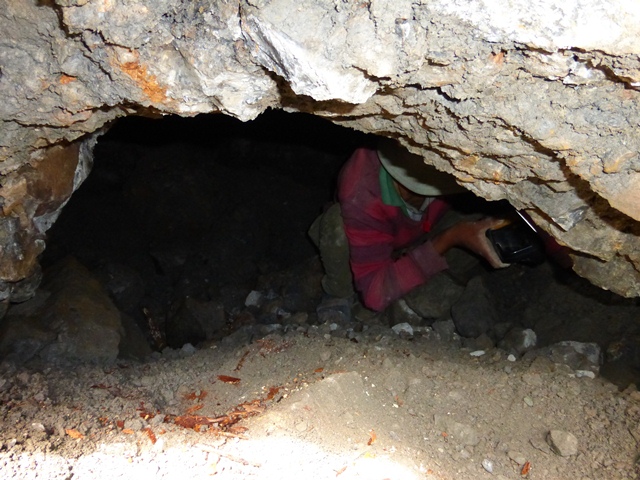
x: 70, y: 321
x: 537, y: 103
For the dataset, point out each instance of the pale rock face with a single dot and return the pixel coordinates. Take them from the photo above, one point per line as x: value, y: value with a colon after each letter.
x: 612, y: 26
x: 535, y: 102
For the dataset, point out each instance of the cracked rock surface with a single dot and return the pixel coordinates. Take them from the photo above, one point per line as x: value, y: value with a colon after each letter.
x: 534, y: 103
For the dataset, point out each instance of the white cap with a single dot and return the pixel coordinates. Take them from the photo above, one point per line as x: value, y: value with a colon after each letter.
x: 411, y: 171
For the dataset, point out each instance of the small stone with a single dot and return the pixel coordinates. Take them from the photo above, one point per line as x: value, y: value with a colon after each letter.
x: 325, y: 355
x: 334, y: 310
x: 445, y: 328
x: 135, y: 424
x: 156, y: 421
x: 517, y: 457
x: 254, y: 299
x: 528, y: 401
x: 518, y: 341
x: 483, y: 342
x: 270, y: 328
x: 187, y: 350
x: 511, y: 357
x: 477, y: 353
x: 402, y: 328
x: 38, y: 427
x: 585, y: 373
x: 562, y: 443
x: 487, y: 465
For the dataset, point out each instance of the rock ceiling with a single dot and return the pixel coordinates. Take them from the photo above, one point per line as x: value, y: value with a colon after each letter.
x: 536, y: 103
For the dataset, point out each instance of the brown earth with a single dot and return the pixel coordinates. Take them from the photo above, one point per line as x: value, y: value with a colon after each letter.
x: 310, y: 405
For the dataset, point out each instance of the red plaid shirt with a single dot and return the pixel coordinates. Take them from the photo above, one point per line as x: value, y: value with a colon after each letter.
x: 377, y: 231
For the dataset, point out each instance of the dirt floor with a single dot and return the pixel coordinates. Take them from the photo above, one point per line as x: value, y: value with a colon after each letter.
x: 306, y: 404
x: 278, y: 392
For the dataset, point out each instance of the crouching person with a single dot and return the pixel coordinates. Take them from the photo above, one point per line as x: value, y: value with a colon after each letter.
x: 389, y: 231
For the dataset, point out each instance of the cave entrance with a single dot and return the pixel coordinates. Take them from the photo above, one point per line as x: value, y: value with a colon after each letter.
x: 182, y: 218
x: 192, y: 224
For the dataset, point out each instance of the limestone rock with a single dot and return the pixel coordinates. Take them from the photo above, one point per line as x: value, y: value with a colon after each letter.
x: 474, y: 313
x: 75, y: 322
x: 518, y: 341
x: 434, y: 299
x: 563, y: 443
x: 577, y: 355
x: 536, y: 103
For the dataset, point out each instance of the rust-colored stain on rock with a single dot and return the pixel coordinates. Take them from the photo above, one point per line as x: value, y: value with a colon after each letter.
x: 146, y: 81
x: 65, y: 79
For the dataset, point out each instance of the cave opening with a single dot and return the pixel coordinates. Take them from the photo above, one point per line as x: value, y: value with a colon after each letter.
x: 182, y: 214
x: 198, y: 228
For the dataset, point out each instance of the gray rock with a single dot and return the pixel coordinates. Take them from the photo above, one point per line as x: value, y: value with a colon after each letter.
x: 483, y: 342
x: 517, y: 457
x: 434, y: 299
x: 576, y: 355
x: 403, y: 329
x: 226, y: 60
x: 76, y: 323
x: 254, y: 299
x: 445, y: 328
x: 474, y: 314
x: 187, y: 350
x: 590, y: 351
x: 400, y: 312
x: 518, y: 341
x: 562, y: 443
x: 334, y: 310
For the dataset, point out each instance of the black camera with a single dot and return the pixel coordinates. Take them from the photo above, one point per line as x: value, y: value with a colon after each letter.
x: 517, y: 242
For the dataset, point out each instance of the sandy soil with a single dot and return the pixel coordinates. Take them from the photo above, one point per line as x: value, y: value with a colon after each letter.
x: 303, y: 403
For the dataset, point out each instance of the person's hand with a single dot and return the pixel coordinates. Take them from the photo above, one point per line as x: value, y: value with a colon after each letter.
x: 473, y: 237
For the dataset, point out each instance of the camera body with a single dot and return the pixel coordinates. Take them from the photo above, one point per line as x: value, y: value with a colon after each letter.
x: 517, y: 242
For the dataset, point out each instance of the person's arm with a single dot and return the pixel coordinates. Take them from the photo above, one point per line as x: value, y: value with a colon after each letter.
x: 471, y: 236
x: 379, y: 275
x: 381, y: 279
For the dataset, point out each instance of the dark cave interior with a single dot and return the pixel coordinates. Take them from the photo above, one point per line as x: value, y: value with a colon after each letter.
x: 208, y: 209
x: 200, y: 207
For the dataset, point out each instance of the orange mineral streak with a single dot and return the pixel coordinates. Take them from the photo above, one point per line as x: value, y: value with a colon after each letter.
x: 146, y: 81
x: 64, y: 79
x: 497, y: 58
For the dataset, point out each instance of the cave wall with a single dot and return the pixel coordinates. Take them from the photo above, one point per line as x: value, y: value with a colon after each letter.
x: 535, y: 103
